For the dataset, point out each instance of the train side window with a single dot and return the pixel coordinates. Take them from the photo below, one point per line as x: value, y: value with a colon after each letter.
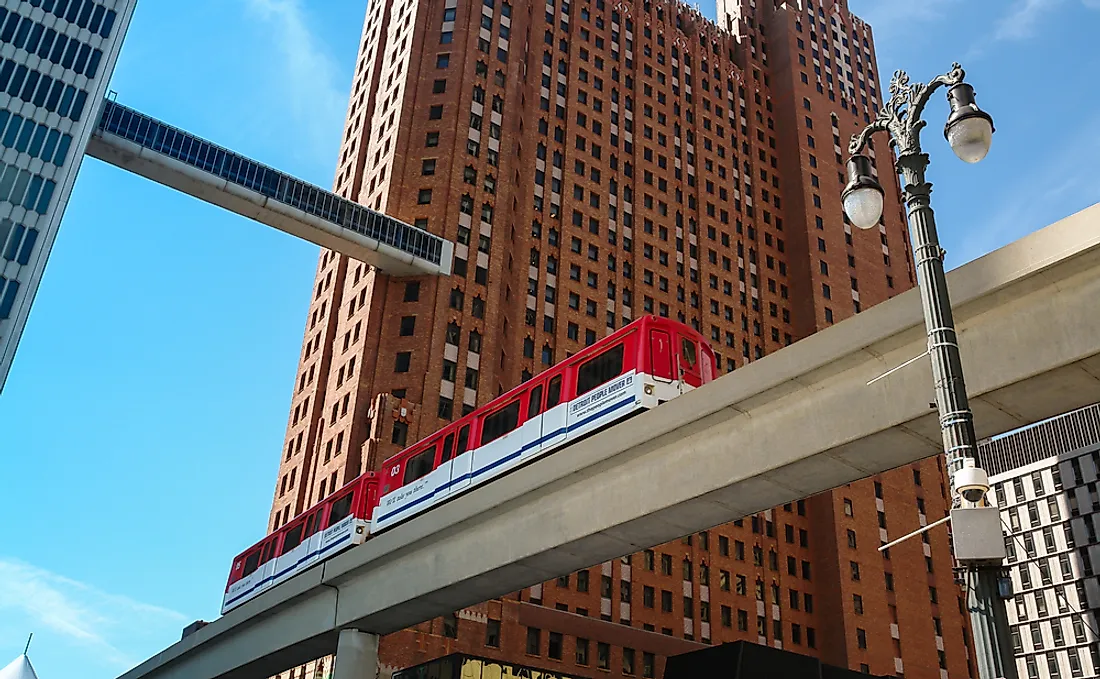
x: 251, y: 564
x: 311, y: 524
x: 448, y: 445
x: 553, y: 392
x: 603, y: 368
x: 534, y: 406
x: 463, y: 440
x: 419, y: 465
x: 500, y: 423
x: 268, y: 549
x: 293, y: 538
x: 687, y: 350
x: 340, y: 509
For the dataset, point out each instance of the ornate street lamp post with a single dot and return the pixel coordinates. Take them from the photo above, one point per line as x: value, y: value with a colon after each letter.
x: 969, y: 130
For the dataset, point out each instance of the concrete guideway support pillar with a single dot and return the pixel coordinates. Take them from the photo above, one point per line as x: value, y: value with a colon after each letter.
x: 356, y: 655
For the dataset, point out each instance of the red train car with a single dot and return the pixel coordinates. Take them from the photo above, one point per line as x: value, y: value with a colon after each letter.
x: 636, y: 368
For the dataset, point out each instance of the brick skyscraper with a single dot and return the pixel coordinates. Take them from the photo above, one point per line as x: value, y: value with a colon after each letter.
x: 595, y: 161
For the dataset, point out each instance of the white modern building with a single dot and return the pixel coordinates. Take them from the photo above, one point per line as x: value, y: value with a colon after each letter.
x: 20, y: 668
x: 1045, y: 480
x: 56, y: 59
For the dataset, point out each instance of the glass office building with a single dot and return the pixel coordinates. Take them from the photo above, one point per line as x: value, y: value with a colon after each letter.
x: 56, y: 59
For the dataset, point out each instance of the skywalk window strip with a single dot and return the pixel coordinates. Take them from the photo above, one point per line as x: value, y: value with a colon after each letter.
x: 153, y: 134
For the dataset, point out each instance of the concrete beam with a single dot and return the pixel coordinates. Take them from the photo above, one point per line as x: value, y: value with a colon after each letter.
x: 798, y: 422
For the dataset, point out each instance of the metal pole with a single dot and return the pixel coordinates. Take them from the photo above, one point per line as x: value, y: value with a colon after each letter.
x: 988, y: 618
x: 901, y: 118
x: 956, y: 420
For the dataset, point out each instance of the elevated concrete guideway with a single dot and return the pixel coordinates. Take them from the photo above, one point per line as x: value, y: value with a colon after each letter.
x: 178, y: 159
x: 797, y: 422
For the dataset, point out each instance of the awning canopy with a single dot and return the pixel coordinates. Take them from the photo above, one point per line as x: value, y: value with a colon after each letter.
x: 20, y: 668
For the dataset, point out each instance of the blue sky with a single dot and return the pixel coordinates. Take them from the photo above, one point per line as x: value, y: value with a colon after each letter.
x: 142, y: 420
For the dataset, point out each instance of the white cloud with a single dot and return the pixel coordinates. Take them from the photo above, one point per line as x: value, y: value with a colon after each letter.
x: 889, y: 17
x: 1022, y: 18
x: 78, y: 612
x: 307, y: 75
x: 900, y: 25
x: 890, y: 14
x: 1062, y: 183
x: 1020, y: 23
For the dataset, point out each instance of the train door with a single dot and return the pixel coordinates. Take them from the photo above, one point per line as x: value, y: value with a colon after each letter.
x: 268, y: 562
x: 499, y: 443
x: 444, y: 468
x: 462, y: 460
x: 553, y: 414
x: 312, y: 536
x: 370, y: 497
x: 532, y: 426
x: 294, y: 550
x: 688, y: 360
x: 660, y: 354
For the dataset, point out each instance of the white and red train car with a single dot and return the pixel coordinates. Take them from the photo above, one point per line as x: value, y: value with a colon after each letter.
x: 645, y: 363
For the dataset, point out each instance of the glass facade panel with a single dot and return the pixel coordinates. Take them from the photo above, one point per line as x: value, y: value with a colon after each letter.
x: 58, y: 56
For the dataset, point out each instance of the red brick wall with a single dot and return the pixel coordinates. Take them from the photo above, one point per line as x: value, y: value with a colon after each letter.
x: 681, y: 210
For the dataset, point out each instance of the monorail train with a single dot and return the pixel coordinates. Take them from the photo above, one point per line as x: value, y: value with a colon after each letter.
x: 636, y: 368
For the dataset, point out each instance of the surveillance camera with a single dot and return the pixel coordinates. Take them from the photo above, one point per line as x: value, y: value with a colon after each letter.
x: 971, y: 483
x: 973, y: 494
